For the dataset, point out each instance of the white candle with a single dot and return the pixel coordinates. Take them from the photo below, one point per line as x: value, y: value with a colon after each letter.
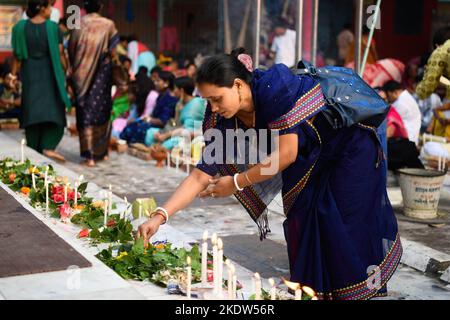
x: 257, y: 279
x: 46, y: 197
x: 22, y: 143
x: 110, y: 200
x: 65, y: 193
x: 205, y: 258
x: 188, y: 166
x: 177, y: 163
x: 189, y: 278
x: 273, y: 290
x: 75, y: 198
x: 220, y: 266
x: 46, y: 175
x: 233, y: 281
x: 298, y: 293
x: 33, y: 178
x: 214, y: 243
x: 230, y: 280
x: 126, y: 209
x: 105, y: 213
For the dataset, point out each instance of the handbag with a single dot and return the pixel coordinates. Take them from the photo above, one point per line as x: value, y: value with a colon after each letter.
x: 350, y: 99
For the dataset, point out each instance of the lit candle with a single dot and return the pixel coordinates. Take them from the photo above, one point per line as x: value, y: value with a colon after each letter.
x: 189, y: 278
x: 75, y: 197
x: 205, y: 258
x: 46, y: 175
x: 105, y: 211
x: 33, y: 178
x: 110, y: 200
x: 298, y: 293
x: 220, y: 266
x: 257, y: 279
x: 22, y: 143
x: 273, y: 290
x: 214, y: 243
x: 234, y: 285
x: 230, y: 280
x: 46, y: 192
x: 126, y: 209
x: 65, y: 192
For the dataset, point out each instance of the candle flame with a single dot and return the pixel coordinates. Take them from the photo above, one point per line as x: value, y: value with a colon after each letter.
x: 257, y: 276
x: 81, y: 178
x: 219, y: 244
x: 310, y: 292
x: 272, y: 282
x: 214, y: 239
x: 23, y: 142
x: 205, y: 235
x: 188, y: 260
x: 228, y: 263
x: 126, y: 200
x: 292, y: 285
x: 110, y: 187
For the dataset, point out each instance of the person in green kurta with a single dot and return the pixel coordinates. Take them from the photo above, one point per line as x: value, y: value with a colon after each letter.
x: 38, y: 52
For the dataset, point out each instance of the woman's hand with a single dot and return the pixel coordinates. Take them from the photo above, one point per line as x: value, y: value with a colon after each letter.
x: 219, y: 188
x: 150, y: 228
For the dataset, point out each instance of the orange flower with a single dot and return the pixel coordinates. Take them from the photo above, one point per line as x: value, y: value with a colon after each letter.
x: 12, y: 177
x: 79, y: 207
x: 25, y: 190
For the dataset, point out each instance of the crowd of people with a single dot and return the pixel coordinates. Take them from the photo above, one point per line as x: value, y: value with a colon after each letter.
x: 117, y: 86
x: 121, y: 90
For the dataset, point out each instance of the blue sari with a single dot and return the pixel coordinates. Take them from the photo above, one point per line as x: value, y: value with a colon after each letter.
x: 341, y: 232
x: 164, y: 110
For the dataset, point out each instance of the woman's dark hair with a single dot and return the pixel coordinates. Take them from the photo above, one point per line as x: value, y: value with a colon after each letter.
x: 92, y: 6
x: 221, y: 70
x: 155, y: 69
x: 35, y: 6
x: 167, y: 77
x: 392, y: 86
x: 441, y: 36
x: 185, y: 83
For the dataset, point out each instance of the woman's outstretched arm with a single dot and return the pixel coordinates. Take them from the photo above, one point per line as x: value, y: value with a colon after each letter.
x: 182, y: 197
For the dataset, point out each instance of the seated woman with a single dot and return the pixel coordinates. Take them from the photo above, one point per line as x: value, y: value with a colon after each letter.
x: 190, y: 117
x: 163, y: 111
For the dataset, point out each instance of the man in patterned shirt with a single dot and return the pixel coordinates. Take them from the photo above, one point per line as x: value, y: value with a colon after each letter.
x: 438, y: 65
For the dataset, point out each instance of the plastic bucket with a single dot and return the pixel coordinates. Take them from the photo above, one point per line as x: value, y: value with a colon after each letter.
x: 421, y: 190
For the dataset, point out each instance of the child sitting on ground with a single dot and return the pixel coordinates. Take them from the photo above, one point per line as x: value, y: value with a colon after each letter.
x: 10, y: 99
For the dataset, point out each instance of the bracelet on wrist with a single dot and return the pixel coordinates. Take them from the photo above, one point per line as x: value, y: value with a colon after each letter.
x: 161, y: 211
x: 236, y: 183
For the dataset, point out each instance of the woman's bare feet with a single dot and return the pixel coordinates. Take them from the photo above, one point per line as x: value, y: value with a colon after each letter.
x: 89, y: 163
x: 54, y: 155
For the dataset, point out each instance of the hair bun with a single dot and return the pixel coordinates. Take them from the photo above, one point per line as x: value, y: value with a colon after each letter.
x: 238, y: 51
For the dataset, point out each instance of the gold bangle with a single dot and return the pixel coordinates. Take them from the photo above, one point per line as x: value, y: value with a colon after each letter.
x: 246, y: 177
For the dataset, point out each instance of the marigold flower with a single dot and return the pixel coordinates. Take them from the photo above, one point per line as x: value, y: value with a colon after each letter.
x: 25, y: 190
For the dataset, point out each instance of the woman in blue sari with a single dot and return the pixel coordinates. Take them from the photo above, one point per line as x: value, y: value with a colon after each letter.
x: 164, y: 110
x: 341, y: 232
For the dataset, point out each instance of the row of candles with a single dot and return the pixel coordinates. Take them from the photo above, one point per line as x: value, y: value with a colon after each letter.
x: 216, y: 242
x: 217, y: 250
